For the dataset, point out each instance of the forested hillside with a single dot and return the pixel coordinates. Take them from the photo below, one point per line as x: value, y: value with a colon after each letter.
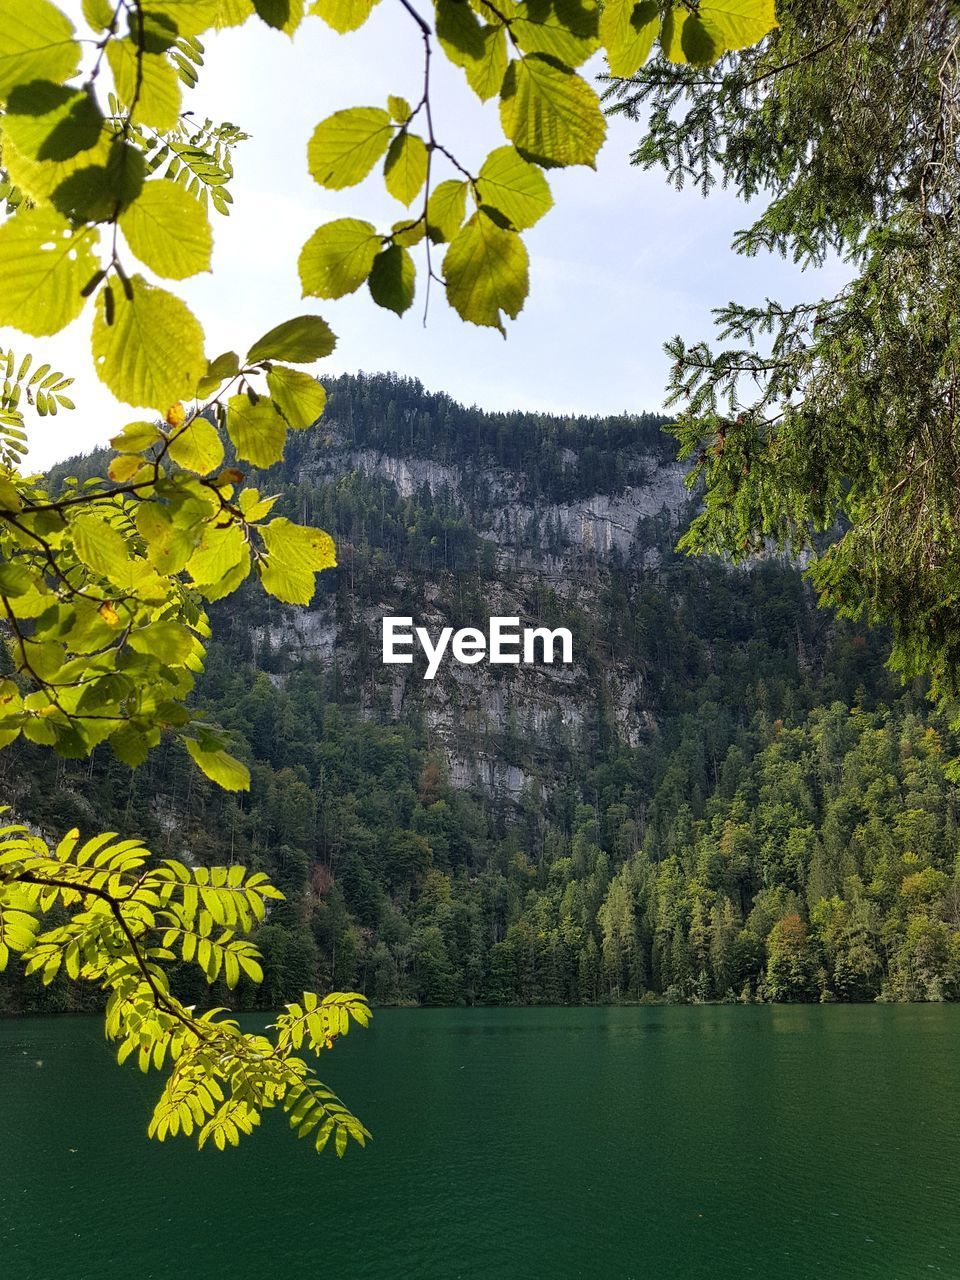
x: 727, y: 796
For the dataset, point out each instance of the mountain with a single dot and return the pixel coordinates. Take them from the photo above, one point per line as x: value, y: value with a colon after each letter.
x: 723, y: 796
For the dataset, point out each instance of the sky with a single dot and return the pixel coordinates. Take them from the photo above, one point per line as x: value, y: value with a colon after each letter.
x: 621, y: 263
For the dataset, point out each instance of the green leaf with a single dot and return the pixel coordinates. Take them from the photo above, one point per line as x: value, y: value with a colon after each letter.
x: 628, y: 30
x: 170, y: 641
x: 294, y: 555
x: 152, y: 352
x: 405, y: 170
x: 197, y: 447
x: 486, y: 272
x: 168, y: 230
x: 135, y: 437
x: 399, y: 108
x: 298, y: 396
x: 515, y: 187
x: 219, y: 767
x: 257, y: 430
x: 224, y: 366
x: 393, y: 279
x: 190, y: 17
x: 551, y: 114
x: 149, y: 81
x: 96, y: 192
x: 282, y: 15
x: 36, y: 43
x: 101, y: 548
x: 14, y: 579
x: 47, y: 121
x: 221, y: 561
x: 98, y: 13
x: 479, y: 48
x: 337, y: 258
x: 346, y: 146
x: 343, y: 15
x: 736, y: 24
x: 44, y: 266
x: 565, y: 29
x: 446, y: 209
x: 303, y: 340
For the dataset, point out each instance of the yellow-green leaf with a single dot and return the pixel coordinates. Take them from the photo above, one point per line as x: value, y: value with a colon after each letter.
x: 168, y: 230
x: 565, y: 29
x: 550, y: 114
x: 303, y: 340
x: 36, y: 43
x: 628, y: 30
x: 135, y: 437
x: 405, y: 169
x: 298, y: 396
x: 399, y: 108
x: 51, y: 122
x: 146, y: 83
x: 446, y: 209
x: 487, y: 272
x: 337, y: 258
x: 190, y: 17
x: 257, y: 430
x: 152, y: 352
x: 479, y: 48
x: 220, y: 768
x: 197, y: 447
x: 346, y: 146
x: 343, y: 15
x: 44, y: 265
x: 515, y: 187
x: 221, y: 561
x: 294, y: 555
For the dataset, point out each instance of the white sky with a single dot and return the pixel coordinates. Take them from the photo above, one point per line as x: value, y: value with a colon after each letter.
x: 620, y: 264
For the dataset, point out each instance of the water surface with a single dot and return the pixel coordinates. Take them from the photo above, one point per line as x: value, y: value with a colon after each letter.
x: 820, y: 1143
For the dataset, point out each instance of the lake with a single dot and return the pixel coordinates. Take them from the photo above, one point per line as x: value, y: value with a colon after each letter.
x: 820, y: 1142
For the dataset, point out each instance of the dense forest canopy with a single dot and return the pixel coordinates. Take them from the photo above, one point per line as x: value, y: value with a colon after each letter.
x: 784, y: 830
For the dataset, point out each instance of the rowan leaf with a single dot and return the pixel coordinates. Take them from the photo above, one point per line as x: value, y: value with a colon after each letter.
x: 515, y: 187
x: 487, y: 272
x: 303, y: 340
x: 36, y: 43
x: 346, y: 146
x: 550, y: 114
x: 337, y: 258
x: 44, y: 265
x: 168, y: 230
x: 148, y: 347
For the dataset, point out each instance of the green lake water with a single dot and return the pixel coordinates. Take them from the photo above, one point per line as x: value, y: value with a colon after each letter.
x: 721, y: 1142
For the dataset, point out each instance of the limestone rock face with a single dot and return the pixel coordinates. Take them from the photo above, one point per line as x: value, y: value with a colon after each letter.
x: 506, y: 730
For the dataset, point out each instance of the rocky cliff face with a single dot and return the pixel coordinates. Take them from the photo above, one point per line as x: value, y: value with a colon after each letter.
x: 502, y: 728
